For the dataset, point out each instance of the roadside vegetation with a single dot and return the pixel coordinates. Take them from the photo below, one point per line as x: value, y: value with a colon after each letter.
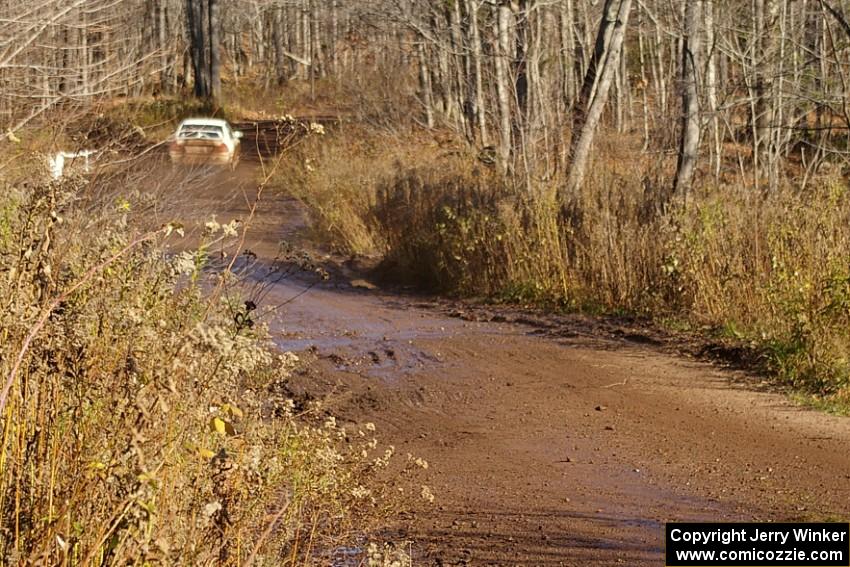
x: 766, y: 272
x: 144, y: 420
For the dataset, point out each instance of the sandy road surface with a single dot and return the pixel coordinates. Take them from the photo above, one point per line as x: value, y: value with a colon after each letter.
x: 549, y: 442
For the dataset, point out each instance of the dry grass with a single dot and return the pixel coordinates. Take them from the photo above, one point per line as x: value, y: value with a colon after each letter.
x: 767, y: 270
x: 147, y: 423
x: 335, y: 177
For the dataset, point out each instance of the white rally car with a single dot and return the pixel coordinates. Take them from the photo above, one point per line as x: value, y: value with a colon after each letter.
x: 205, y: 141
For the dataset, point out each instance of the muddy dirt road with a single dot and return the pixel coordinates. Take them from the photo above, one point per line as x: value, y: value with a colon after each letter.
x: 550, y: 440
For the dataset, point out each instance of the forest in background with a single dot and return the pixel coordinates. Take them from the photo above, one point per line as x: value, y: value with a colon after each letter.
x: 749, y: 88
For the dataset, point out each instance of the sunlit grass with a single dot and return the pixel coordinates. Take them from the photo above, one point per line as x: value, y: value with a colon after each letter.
x: 770, y: 271
x: 146, y: 425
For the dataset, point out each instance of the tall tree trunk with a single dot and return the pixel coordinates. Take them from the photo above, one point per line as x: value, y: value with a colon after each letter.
x: 503, y: 93
x: 711, y: 87
x: 85, y: 83
x: 425, y: 84
x: 520, y: 10
x: 644, y: 82
x: 316, y: 53
x: 203, y: 28
x: 689, y: 142
x: 456, y: 61
x: 195, y: 27
x: 442, y: 79
x: 214, y: 49
x: 568, y: 53
x: 475, y: 52
x: 306, y: 42
x: 764, y: 18
x: 278, y: 35
x: 334, y: 42
x: 594, y: 91
x: 257, y: 41
x: 659, y: 71
x: 162, y: 45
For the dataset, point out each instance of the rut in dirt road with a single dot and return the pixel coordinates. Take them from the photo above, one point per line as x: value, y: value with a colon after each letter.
x: 548, y: 443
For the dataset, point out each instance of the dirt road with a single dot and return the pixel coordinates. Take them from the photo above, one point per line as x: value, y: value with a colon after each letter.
x: 550, y: 440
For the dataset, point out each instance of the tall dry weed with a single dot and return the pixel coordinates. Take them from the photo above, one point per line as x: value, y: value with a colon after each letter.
x: 148, y: 423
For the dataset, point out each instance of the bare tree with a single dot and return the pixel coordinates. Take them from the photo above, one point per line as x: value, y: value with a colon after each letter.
x: 594, y: 91
x: 203, y: 23
x: 71, y: 53
x: 690, y: 137
x: 479, y: 109
x: 768, y: 80
x: 503, y: 51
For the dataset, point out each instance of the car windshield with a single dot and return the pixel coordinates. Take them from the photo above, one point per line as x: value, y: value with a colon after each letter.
x: 199, y: 131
